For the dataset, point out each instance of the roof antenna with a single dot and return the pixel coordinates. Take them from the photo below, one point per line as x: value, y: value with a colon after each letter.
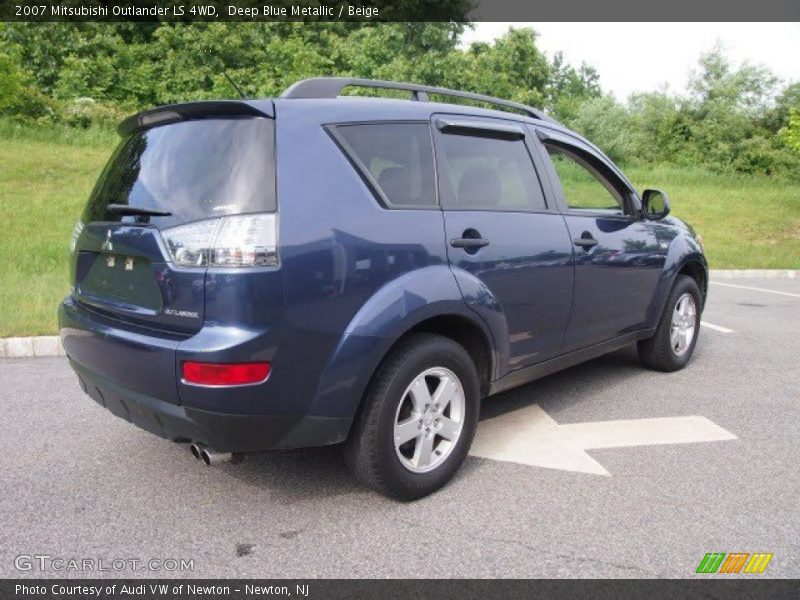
x: 233, y: 83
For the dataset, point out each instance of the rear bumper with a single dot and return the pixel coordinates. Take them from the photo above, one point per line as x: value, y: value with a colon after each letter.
x: 220, y: 431
x: 134, y: 375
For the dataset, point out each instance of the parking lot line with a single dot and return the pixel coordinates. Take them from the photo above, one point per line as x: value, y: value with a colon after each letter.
x: 756, y: 289
x: 719, y: 328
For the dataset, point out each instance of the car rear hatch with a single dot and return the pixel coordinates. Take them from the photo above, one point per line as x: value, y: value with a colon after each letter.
x: 180, y: 176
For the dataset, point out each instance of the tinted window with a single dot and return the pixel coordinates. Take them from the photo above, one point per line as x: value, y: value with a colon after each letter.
x: 585, y: 188
x: 193, y: 169
x: 397, y: 158
x: 488, y: 173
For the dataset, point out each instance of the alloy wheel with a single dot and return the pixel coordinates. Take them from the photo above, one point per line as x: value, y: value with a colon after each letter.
x: 684, y: 324
x: 429, y: 420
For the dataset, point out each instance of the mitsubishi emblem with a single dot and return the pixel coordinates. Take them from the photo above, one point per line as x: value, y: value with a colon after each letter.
x: 107, y: 245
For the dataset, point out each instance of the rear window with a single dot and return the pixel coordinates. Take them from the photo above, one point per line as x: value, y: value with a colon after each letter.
x: 193, y: 169
x: 395, y: 159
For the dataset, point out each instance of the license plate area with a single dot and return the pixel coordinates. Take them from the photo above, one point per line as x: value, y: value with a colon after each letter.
x: 124, y: 281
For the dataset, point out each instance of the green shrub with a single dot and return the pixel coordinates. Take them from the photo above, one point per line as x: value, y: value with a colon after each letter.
x: 606, y: 123
x: 790, y: 135
x: 30, y: 106
x: 733, y: 119
x: 18, y: 97
x: 11, y: 81
x: 757, y: 156
x: 87, y: 112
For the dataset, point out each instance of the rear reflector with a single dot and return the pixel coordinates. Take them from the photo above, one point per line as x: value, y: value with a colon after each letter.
x: 225, y: 374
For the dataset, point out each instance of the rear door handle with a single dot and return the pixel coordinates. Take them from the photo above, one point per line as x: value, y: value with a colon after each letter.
x: 586, y: 242
x: 470, y: 243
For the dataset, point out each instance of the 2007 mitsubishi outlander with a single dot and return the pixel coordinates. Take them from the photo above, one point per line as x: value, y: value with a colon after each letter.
x: 315, y: 269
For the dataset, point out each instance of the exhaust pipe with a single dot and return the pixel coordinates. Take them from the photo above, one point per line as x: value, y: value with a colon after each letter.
x: 195, y: 448
x: 212, y: 457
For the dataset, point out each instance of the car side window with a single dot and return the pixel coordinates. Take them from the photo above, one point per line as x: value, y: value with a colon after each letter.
x: 487, y: 173
x: 395, y: 158
x: 585, y: 188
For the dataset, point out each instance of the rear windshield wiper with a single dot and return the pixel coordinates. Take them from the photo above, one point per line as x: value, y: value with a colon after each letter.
x: 142, y: 214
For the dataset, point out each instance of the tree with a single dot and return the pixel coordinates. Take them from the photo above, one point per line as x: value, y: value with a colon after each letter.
x: 11, y: 80
x: 17, y: 96
x: 732, y: 118
x: 717, y: 83
x: 791, y: 133
x: 41, y: 48
x: 787, y: 100
x: 660, y: 129
x: 726, y: 110
x: 568, y: 88
x: 606, y: 123
x: 513, y: 67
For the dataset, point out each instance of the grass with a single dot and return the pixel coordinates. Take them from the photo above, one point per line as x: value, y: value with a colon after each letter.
x: 746, y: 222
x: 46, y: 176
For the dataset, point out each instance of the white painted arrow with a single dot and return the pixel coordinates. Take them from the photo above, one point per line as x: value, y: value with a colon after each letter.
x: 529, y: 436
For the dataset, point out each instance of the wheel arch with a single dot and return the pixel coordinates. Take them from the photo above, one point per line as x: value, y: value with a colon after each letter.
x: 685, y: 257
x: 695, y: 269
x: 427, y: 300
x: 463, y: 330
x: 466, y: 333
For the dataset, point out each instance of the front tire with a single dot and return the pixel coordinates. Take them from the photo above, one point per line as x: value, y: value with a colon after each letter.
x: 418, y: 419
x: 676, y: 336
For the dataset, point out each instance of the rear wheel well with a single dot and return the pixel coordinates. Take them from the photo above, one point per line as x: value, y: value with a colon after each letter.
x: 696, y: 271
x: 465, y: 333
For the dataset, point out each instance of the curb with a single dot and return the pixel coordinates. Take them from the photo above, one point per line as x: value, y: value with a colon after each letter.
x: 50, y: 345
x: 42, y: 345
x: 754, y: 274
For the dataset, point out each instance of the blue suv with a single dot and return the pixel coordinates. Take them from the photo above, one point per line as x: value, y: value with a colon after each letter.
x: 316, y: 269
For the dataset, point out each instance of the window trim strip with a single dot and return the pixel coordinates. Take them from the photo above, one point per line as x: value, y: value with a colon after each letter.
x: 503, y: 131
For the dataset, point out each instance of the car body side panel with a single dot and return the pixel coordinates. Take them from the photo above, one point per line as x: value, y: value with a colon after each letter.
x: 391, y: 312
x: 339, y: 249
x: 615, y: 281
x: 683, y: 249
x: 526, y: 274
x: 521, y: 281
x: 482, y: 301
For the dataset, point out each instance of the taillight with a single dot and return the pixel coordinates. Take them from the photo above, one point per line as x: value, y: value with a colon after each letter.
x: 201, y: 373
x: 188, y: 244
x: 236, y: 241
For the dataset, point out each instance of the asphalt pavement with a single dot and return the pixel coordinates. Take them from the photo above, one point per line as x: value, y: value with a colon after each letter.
x: 78, y: 483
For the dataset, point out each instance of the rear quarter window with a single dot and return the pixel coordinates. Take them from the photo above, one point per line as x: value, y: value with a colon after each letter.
x: 193, y: 169
x: 395, y: 160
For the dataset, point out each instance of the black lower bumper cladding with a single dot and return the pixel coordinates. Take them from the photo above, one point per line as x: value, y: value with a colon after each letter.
x: 223, y: 432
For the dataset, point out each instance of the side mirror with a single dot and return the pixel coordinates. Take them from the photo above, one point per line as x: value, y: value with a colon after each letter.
x: 655, y: 204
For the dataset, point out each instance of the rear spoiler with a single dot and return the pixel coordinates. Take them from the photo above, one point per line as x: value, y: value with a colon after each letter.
x: 173, y: 113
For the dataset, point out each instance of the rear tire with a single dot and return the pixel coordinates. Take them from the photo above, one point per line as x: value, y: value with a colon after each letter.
x: 676, y: 336
x: 418, y: 418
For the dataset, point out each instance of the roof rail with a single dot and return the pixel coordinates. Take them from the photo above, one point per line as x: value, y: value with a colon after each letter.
x: 331, y: 87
